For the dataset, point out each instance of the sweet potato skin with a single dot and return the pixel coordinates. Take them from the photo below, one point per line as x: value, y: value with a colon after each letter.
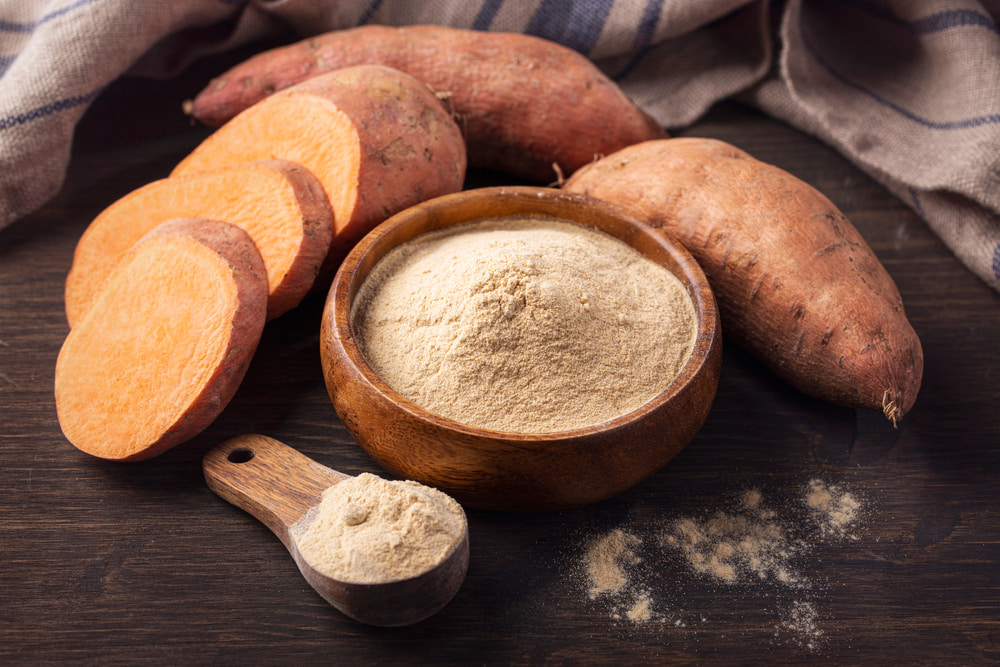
x: 410, y: 147
x: 524, y: 103
x: 93, y: 431
x: 797, y: 285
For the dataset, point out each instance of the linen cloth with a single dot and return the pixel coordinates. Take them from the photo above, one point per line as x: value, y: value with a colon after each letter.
x: 907, y: 90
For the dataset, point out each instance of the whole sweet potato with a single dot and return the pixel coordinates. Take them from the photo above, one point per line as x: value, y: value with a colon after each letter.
x: 796, y: 283
x: 524, y: 103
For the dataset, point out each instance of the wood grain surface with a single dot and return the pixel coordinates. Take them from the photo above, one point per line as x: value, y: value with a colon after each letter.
x: 108, y: 563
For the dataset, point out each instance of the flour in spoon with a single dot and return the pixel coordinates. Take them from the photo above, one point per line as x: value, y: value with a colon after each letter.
x: 369, y: 530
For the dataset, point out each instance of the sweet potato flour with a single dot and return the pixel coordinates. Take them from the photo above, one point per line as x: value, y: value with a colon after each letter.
x: 524, y: 325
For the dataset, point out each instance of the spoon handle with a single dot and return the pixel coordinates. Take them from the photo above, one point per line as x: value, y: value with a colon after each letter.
x: 268, y: 479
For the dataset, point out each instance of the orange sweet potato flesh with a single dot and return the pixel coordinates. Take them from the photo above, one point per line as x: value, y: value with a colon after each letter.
x: 165, y: 343
x: 281, y: 205
x: 377, y: 139
x: 524, y: 103
x: 797, y: 285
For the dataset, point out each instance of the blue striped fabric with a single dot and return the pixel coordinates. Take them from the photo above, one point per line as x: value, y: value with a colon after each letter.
x: 366, y: 16
x: 960, y: 124
x: 644, y: 34
x: 11, y: 26
x: 487, y: 12
x: 936, y: 22
x: 947, y: 20
x: 577, y: 25
x: 27, y: 27
x: 915, y: 201
x: 72, y: 101
x: 48, y: 109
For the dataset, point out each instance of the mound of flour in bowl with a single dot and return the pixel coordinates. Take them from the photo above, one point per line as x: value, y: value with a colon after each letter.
x: 524, y: 325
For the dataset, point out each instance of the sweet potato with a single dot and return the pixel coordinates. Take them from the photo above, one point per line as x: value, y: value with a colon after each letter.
x: 165, y: 343
x: 376, y: 138
x: 524, y: 103
x: 797, y: 285
x: 278, y: 203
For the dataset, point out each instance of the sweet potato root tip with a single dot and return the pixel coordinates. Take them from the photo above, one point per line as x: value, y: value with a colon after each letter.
x: 889, y: 408
x: 797, y: 285
x: 165, y: 343
x: 523, y: 102
x: 376, y: 138
x: 560, y: 177
x: 278, y: 203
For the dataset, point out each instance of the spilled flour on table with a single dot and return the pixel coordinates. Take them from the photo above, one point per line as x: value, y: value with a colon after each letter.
x: 834, y: 510
x: 800, y: 624
x: 748, y: 543
x: 609, y: 561
x: 607, y: 558
x: 752, y: 544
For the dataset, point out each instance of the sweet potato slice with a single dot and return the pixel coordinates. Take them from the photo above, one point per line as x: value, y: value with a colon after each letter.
x: 524, y: 103
x: 278, y: 203
x: 165, y: 343
x: 377, y: 139
x: 797, y: 285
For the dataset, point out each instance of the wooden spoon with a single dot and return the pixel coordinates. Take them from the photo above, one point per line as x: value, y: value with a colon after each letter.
x: 279, y: 486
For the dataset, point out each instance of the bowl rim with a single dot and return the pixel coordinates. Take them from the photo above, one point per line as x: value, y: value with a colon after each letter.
x: 352, y: 273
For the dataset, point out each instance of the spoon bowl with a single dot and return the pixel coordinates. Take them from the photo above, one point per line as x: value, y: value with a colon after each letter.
x: 279, y: 486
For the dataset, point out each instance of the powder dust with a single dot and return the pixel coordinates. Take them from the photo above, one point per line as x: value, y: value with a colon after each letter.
x: 607, y: 559
x: 800, y: 624
x: 370, y: 530
x: 609, y: 562
x: 524, y: 325
x: 746, y: 544
x: 834, y: 510
x: 752, y: 544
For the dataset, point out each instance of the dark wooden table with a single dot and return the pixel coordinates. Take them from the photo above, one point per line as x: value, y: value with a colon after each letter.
x: 140, y: 563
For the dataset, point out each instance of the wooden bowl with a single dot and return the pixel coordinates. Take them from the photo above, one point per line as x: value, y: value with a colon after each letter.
x: 517, y: 471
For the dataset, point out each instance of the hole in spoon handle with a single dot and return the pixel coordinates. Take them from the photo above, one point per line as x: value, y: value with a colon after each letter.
x: 268, y: 479
x: 240, y: 455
